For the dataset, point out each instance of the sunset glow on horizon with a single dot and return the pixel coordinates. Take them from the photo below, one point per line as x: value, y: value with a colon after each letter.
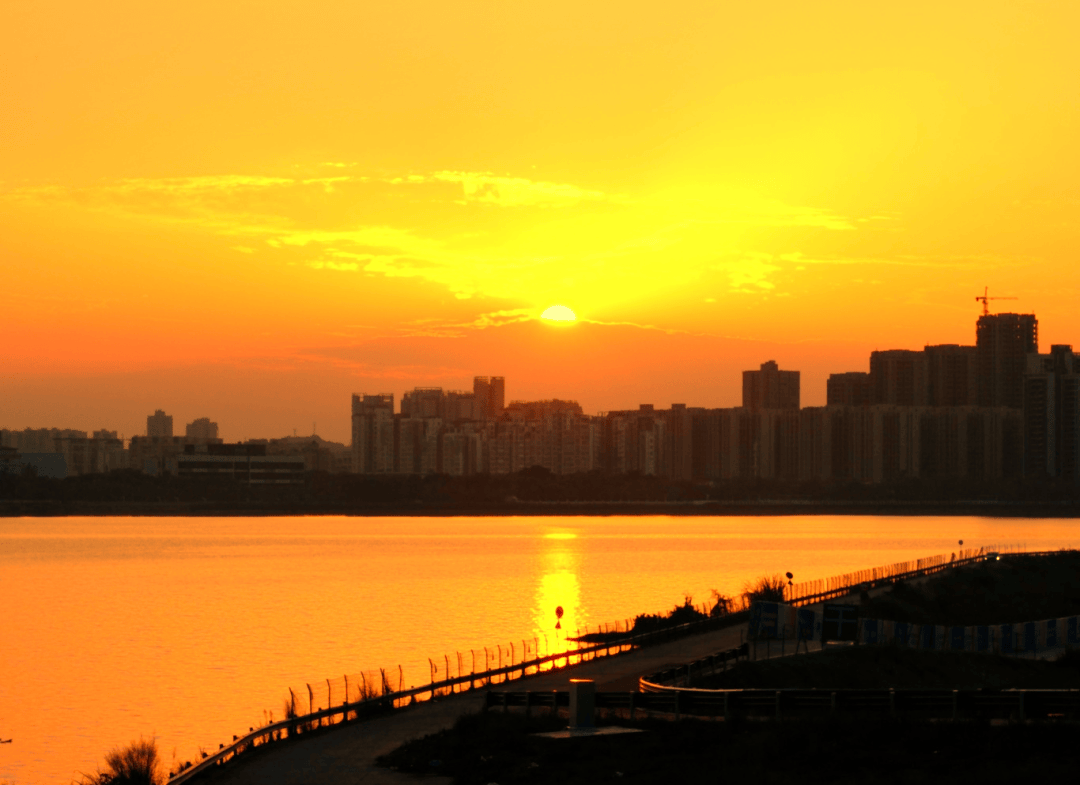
x: 251, y: 212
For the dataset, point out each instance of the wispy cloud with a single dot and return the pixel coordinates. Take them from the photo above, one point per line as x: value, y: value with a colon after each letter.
x: 552, y: 240
x: 488, y: 188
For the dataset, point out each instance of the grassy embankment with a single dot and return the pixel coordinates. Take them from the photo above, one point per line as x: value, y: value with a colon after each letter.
x: 498, y: 747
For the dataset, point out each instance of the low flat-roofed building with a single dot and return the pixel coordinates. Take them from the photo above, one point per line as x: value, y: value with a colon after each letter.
x: 246, y: 463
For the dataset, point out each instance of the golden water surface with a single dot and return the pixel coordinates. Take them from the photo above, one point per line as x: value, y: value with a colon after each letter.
x: 188, y: 629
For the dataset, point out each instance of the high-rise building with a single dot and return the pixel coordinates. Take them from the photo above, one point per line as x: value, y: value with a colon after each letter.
x: 159, y: 424
x: 951, y: 375
x: 498, y: 396
x: 898, y: 377
x: 1002, y: 342
x: 770, y: 388
x: 373, y: 433
x: 1052, y: 414
x: 202, y: 429
x: 848, y: 389
x: 482, y: 391
x: 423, y: 402
x: 459, y: 405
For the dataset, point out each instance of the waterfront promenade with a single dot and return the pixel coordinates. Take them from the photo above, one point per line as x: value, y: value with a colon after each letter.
x: 346, y: 754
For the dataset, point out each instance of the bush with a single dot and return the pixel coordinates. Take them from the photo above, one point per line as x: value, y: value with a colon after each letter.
x: 136, y: 764
x: 768, y: 588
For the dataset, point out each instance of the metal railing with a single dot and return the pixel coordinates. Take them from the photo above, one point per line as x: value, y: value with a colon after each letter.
x: 930, y: 704
x: 615, y: 643
x: 816, y: 591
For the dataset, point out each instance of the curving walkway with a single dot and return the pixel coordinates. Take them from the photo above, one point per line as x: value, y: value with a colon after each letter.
x: 346, y: 754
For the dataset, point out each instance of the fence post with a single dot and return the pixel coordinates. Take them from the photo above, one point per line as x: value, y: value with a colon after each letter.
x: 346, y: 689
x: 363, y: 687
x: 472, y: 675
x: 446, y: 677
x: 329, y: 704
x: 310, y: 699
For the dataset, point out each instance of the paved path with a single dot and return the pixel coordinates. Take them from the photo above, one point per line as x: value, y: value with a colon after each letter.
x: 346, y: 755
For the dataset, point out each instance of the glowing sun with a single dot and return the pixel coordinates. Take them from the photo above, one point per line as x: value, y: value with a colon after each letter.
x: 559, y: 313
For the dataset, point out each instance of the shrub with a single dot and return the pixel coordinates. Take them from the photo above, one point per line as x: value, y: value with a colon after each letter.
x: 768, y: 588
x: 136, y: 764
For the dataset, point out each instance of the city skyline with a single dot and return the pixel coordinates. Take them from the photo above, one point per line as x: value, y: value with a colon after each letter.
x: 253, y: 214
x: 995, y: 409
x: 837, y: 390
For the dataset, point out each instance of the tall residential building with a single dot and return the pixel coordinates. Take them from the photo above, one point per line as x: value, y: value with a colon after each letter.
x: 482, y: 390
x: 159, y: 425
x: 373, y: 433
x: 770, y: 388
x: 898, y: 377
x: 202, y: 429
x: 1002, y: 342
x: 423, y: 402
x: 951, y: 378
x: 459, y: 405
x: 848, y: 389
x: 498, y: 396
x: 1052, y: 414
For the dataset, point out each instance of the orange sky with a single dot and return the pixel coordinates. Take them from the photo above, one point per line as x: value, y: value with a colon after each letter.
x: 249, y: 213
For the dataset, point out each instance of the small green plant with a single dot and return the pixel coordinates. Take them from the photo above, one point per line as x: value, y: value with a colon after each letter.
x: 136, y: 764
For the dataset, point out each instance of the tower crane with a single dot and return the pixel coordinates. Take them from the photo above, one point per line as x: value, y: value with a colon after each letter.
x: 985, y: 297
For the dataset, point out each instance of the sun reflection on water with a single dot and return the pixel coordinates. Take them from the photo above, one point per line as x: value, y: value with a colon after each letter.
x: 558, y: 587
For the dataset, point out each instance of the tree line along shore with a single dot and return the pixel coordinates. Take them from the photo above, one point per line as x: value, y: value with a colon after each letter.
x: 533, y: 491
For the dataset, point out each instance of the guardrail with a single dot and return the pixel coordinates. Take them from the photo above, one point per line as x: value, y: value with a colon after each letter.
x: 929, y: 704
x: 841, y: 585
x: 611, y: 644
x: 297, y: 726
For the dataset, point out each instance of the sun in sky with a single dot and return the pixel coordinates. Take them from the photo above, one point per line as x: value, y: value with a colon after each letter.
x: 824, y: 185
x: 559, y: 313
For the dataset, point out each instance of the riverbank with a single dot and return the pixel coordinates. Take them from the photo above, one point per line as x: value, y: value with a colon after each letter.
x: 347, y: 753
x: 769, y: 508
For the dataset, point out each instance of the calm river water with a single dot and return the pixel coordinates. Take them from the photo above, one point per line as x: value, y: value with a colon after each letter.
x: 187, y: 629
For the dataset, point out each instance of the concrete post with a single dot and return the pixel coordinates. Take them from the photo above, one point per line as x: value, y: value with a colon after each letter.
x: 582, y: 703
